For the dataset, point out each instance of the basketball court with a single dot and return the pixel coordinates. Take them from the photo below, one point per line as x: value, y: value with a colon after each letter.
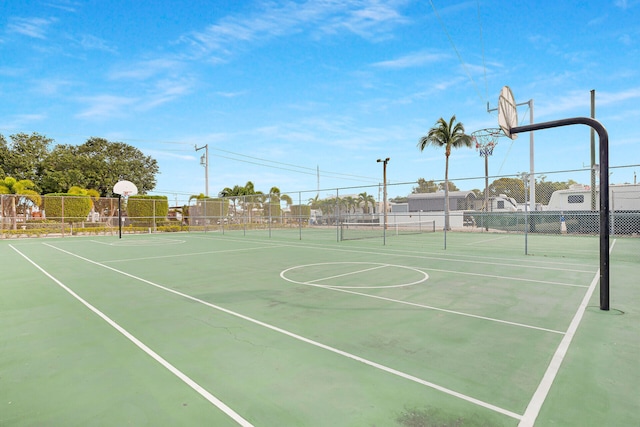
x: 252, y: 329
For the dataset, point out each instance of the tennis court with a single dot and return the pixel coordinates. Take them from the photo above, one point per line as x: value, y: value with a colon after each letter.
x: 267, y: 329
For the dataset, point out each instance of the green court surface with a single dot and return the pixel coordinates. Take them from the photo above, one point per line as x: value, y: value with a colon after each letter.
x: 270, y: 329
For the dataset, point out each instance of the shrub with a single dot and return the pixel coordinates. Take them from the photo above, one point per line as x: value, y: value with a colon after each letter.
x: 67, y: 207
x: 143, y: 210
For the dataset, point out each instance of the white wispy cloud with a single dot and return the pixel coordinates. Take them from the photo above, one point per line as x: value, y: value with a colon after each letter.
x: 165, y: 91
x: 31, y: 27
x: 232, y: 94
x: 626, y: 4
x: 145, y: 69
x: 20, y: 121
x: 169, y: 155
x: 105, y: 106
x: 66, y: 5
x: 51, y: 86
x: 89, y: 42
x: 577, y: 100
x: 367, y: 18
x: 415, y: 59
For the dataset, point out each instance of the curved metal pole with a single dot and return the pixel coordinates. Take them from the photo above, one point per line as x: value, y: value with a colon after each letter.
x: 604, y: 191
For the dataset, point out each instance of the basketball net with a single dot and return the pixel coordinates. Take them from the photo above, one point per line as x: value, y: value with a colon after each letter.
x: 485, y: 140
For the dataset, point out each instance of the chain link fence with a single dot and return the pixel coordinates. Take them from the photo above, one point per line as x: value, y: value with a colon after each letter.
x: 558, y: 203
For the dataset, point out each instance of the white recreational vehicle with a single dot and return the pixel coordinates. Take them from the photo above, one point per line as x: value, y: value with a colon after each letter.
x: 502, y: 203
x: 624, y: 197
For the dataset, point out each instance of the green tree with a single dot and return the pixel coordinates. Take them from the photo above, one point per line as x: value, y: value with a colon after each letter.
x: 510, y: 187
x: 4, y: 155
x: 449, y: 185
x: 18, y: 197
x: 197, y: 197
x: 104, y: 163
x: 287, y: 199
x: 97, y: 164
x: 425, y: 186
x: 234, y: 194
x: 448, y: 135
x: 63, y: 169
x: 314, y: 202
x: 365, y: 199
x: 544, y: 189
x: 23, y: 158
x: 349, y: 202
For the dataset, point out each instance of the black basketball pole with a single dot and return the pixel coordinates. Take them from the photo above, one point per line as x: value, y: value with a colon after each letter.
x: 604, y: 191
x: 119, y: 216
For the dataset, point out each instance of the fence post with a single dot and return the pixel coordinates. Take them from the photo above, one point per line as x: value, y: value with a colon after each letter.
x: 62, y: 214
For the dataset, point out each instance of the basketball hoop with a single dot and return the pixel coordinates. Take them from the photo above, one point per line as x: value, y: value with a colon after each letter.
x: 507, y: 112
x: 486, y: 140
x: 125, y: 188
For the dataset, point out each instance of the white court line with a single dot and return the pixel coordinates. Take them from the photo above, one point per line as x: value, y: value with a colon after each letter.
x: 345, y: 274
x: 540, y: 395
x: 495, y: 276
x: 223, y: 251
x: 195, y: 386
x: 428, y: 256
x: 531, y: 263
x: 459, y: 313
x: 486, y: 240
x: 147, y: 241
x: 308, y: 341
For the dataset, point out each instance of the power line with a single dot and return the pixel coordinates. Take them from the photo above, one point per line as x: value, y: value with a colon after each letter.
x: 327, y: 174
x: 484, y: 64
x: 464, y: 65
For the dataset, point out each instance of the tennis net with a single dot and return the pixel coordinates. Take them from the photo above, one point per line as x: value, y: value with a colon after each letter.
x: 362, y: 230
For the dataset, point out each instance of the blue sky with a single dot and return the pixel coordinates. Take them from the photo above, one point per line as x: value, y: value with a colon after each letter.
x: 279, y: 89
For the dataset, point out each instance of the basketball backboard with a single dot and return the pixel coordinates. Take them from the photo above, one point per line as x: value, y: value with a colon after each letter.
x: 507, y: 112
x: 125, y: 188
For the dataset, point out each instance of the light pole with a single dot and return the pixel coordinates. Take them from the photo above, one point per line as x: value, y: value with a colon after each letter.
x: 384, y: 192
x: 204, y: 161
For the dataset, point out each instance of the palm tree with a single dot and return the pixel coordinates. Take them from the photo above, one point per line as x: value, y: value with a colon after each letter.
x: 314, y: 202
x: 197, y: 197
x: 233, y: 194
x: 21, y: 194
x: 448, y: 135
x: 365, y: 199
x: 349, y: 202
x: 287, y: 199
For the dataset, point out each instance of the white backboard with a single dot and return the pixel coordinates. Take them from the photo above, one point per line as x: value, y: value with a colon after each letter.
x: 507, y: 112
x: 125, y: 188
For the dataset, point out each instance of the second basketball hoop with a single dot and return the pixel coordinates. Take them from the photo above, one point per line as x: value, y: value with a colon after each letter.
x: 485, y: 140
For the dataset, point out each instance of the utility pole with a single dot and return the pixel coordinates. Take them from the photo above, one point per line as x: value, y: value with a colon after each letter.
x: 204, y: 161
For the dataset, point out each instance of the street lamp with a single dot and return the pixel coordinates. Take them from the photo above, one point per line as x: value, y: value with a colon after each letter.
x: 384, y: 192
